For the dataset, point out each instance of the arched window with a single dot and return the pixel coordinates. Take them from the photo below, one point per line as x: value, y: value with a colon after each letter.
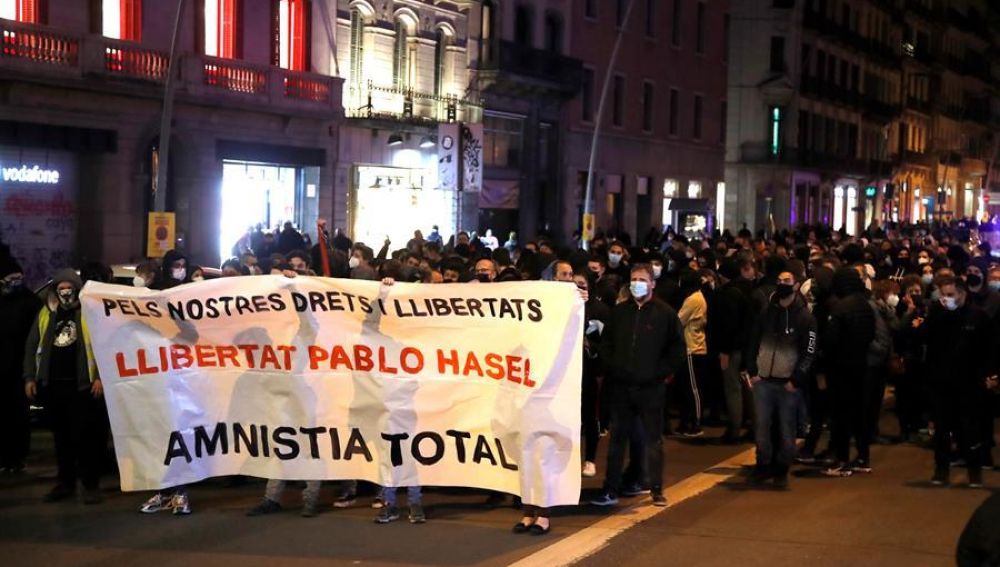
x: 486, y: 48
x: 357, y: 45
x: 290, y: 34
x: 553, y: 33
x: 122, y: 19
x: 401, y: 63
x: 523, y: 26
x: 441, y: 60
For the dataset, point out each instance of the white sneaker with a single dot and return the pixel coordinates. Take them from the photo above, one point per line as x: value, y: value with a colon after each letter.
x: 589, y: 470
x: 155, y: 504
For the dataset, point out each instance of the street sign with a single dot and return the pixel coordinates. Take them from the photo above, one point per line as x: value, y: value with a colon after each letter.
x: 588, y: 227
x: 161, y: 233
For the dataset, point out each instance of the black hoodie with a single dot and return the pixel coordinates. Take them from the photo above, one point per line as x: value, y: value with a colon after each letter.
x: 165, y: 279
x: 783, y: 342
x: 851, y: 327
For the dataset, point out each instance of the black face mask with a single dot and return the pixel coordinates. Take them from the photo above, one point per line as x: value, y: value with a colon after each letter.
x: 974, y: 280
x: 483, y: 278
x: 784, y: 291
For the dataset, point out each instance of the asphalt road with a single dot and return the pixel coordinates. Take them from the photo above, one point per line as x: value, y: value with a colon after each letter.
x: 892, y: 517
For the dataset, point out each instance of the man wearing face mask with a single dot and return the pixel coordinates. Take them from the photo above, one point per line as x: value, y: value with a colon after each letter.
x: 981, y: 296
x: 59, y: 369
x: 961, y: 355
x: 19, y: 307
x: 731, y: 319
x: 361, y: 264
x: 643, y: 347
x: 779, y: 356
x: 485, y: 270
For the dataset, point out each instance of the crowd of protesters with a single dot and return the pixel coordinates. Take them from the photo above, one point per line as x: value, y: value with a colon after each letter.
x: 774, y: 338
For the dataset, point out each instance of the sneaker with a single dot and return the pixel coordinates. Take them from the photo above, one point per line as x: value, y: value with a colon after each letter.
x: 861, y: 466
x: 659, y: 500
x: 941, y: 476
x: 692, y: 432
x: 59, y: 493
x: 180, y: 503
x: 267, y: 506
x: 92, y: 496
x: 387, y: 514
x: 310, y: 509
x: 346, y: 501
x: 975, y: 478
x: 804, y: 458
x: 606, y: 499
x: 417, y: 514
x: 634, y: 490
x: 589, y: 470
x: 838, y: 470
x: 377, y: 504
x: 157, y: 503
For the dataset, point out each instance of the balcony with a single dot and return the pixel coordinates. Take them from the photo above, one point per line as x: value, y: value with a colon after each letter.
x: 41, y: 53
x: 918, y: 105
x: 819, y: 88
x: 375, y: 102
x: 880, y: 111
x: 525, y: 68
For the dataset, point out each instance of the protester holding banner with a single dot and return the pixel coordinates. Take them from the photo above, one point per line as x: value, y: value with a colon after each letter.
x: 643, y: 347
x: 59, y: 369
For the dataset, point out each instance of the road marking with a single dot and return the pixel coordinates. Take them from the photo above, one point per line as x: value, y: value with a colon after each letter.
x: 592, y: 539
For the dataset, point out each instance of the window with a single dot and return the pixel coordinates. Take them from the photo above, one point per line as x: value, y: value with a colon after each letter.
x: 650, y: 18
x: 502, y: 137
x: 647, y: 106
x: 121, y: 19
x: 700, y: 28
x: 553, y: 33
x: 776, y: 131
x: 723, y: 116
x: 401, y: 55
x: 440, y: 61
x: 777, y: 54
x: 587, y: 114
x: 590, y: 8
x: 674, y: 101
x: 357, y: 46
x: 222, y: 28
x: 697, y: 117
x: 291, y: 23
x: 618, y: 101
x: 486, y: 46
x: 27, y: 11
x: 675, y: 24
x: 523, y: 26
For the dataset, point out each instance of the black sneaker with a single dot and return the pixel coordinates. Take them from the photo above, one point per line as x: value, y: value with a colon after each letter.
x: 760, y: 474
x: 417, y: 514
x: 634, y: 490
x: 692, y: 432
x: 345, y: 500
x: 804, y: 458
x: 861, y: 466
x: 386, y: 515
x: 606, y: 499
x: 59, y: 493
x: 310, y: 509
x: 267, y: 506
x: 659, y: 500
x: 781, y: 480
x: 941, y: 476
x: 975, y: 478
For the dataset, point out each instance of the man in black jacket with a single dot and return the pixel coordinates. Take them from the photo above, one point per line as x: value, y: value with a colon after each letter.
x: 960, y: 358
x: 642, y: 347
x: 730, y: 319
x: 781, y: 351
x: 19, y: 307
x: 849, y: 333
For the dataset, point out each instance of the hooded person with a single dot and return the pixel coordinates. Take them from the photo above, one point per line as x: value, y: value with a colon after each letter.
x: 174, y: 270
x: 59, y: 369
x: 19, y: 307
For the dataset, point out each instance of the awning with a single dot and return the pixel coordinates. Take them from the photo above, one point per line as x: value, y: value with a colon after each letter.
x: 500, y: 194
x: 689, y: 205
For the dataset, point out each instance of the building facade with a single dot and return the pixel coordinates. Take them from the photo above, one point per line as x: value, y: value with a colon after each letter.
x: 661, y: 149
x: 852, y: 112
x: 254, y: 135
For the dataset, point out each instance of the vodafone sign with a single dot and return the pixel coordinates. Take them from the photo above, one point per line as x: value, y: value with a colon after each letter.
x: 26, y: 174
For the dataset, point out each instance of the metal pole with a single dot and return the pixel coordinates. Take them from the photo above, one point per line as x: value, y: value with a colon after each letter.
x: 600, y: 113
x: 160, y: 198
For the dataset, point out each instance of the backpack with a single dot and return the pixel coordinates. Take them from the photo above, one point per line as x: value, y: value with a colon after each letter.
x: 881, y: 346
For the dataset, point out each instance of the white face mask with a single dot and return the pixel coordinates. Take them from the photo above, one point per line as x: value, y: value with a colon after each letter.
x: 614, y: 259
x: 354, y: 262
x: 66, y: 296
x: 139, y: 281
x: 923, y: 260
x: 927, y: 278
x: 178, y: 274
x: 639, y: 289
x: 892, y: 301
x: 657, y: 270
x: 950, y: 303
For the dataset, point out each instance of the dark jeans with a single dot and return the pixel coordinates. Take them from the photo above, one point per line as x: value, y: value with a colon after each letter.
x: 588, y: 420
x: 79, y: 431
x: 819, y: 411
x: 772, y: 402
x: 962, y: 416
x: 15, y: 425
x: 627, y: 403
x: 909, y: 406
x: 690, y: 386
x: 875, y: 395
x: 850, y: 403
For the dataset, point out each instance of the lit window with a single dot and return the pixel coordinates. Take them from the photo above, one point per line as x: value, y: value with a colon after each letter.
x: 221, y: 28
x: 694, y: 189
x: 720, y: 205
x: 122, y: 19
x: 669, y: 188
x: 292, y: 40
x: 27, y: 11
x: 775, y: 131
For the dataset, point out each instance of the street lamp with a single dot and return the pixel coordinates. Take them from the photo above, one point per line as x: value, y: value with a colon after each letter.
x: 163, y: 156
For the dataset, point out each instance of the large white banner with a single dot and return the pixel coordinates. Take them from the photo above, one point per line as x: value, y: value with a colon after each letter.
x: 310, y: 378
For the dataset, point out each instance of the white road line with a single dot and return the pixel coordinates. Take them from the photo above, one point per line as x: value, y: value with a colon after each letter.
x: 592, y: 539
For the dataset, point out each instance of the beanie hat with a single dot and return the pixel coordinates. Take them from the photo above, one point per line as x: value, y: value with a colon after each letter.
x: 67, y: 275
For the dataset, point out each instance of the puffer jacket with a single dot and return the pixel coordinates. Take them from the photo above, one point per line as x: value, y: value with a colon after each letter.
x: 783, y: 342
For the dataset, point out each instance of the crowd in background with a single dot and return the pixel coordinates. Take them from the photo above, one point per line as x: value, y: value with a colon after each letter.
x: 774, y: 338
